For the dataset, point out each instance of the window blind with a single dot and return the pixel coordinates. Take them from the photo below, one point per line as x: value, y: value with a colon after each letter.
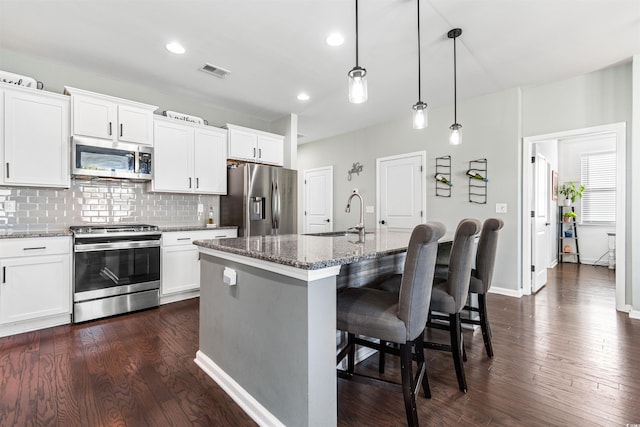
x: 598, y: 175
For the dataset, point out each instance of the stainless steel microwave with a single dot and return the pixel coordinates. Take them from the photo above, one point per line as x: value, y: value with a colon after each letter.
x: 107, y: 159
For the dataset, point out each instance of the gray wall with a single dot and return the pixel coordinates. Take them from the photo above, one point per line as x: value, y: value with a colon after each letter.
x: 493, y: 127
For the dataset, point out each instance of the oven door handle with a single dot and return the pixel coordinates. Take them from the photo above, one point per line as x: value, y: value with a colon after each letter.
x: 94, y: 247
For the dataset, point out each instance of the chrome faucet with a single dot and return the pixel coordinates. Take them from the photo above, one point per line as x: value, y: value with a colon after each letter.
x: 360, y: 226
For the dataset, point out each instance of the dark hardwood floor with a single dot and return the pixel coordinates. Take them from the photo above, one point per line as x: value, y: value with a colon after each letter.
x: 563, y: 357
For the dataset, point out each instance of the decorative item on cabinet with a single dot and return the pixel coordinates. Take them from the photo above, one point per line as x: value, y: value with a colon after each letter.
x: 443, y: 176
x: 477, y: 174
x: 356, y: 168
x: 20, y: 80
x: 184, y: 117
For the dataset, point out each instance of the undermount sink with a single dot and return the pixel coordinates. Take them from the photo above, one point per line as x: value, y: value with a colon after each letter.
x: 336, y: 233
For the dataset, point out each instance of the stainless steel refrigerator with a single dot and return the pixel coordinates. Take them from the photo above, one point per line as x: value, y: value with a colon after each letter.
x: 261, y: 200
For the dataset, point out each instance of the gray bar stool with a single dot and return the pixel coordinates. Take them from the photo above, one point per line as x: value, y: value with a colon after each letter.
x: 397, y: 318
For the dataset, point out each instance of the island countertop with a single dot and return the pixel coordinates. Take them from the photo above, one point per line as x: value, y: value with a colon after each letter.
x: 313, y: 252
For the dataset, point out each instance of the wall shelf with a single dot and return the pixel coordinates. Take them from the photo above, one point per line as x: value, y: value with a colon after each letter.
x: 564, y: 240
x: 478, y: 186
x: 443, y: 170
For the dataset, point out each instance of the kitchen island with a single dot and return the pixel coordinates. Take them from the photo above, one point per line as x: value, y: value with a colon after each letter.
x: 268, y: 317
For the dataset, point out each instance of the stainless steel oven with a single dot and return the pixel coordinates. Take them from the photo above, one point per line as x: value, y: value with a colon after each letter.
x: 116, y: 269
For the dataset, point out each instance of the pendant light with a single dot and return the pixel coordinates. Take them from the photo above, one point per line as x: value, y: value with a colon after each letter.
x: 456, y: 134
x: 420, y: 118
x: 357, y: 76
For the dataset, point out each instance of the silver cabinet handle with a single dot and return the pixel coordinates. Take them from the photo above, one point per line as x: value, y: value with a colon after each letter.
x: 121, y: 127
x: 184, y: 238
x: 189, y: 182
x: 197, y: 182
x: 4, y: 274
x: 254, y: 151
x: 7, y: 169
x: 259, y: 153
x: 34, y: 248
x: 110, y: 132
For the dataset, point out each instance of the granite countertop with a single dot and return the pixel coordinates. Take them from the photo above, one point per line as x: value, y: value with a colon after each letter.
x: 195, y: 228
x: 22, y: 234
x: 313, y: 252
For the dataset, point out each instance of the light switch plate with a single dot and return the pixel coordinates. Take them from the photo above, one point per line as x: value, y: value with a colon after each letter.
x: 200, y: 208
x: 501, y: 208
x: 369, y: 209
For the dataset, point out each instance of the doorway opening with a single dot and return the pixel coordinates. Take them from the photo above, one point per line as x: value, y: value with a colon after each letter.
x: 617, y: 132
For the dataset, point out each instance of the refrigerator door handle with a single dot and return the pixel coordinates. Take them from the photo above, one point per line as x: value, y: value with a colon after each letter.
x: 275, y: 205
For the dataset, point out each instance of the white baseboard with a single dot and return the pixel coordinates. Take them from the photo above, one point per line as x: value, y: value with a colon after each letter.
x: 634, y: 314
x: 179, y: 296
x: 508, y: 292
x: 251, y: 406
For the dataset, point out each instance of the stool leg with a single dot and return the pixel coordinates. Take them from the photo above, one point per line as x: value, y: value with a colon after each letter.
x: 406, y: 361
x: 381, y: 358
x: 484, y: 324
x: 455, y: 330
x: 419, y: 345
x: 352, y: 353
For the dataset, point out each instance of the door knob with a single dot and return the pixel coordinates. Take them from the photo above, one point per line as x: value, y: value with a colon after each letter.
x: 327, y: 220
x: 382, y: 222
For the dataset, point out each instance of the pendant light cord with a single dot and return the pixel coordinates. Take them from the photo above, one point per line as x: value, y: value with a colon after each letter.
x: 419, y: 62
x: 356, y: 33
x: 455, y: 84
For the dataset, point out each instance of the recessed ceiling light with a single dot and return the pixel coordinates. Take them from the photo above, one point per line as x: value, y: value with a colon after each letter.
x: 303, y: 97
x: 175, y: 47
x: 335, y: 39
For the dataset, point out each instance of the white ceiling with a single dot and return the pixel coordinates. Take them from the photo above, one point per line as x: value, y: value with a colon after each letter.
x: 275, y: 49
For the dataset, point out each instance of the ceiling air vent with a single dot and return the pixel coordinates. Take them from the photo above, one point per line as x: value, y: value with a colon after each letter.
x: 215, y: 70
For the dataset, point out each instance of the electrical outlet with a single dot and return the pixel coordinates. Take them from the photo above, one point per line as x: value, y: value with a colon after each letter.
x: 200, y: 208
x: 9, y: 206
x: 501, y: 208
x: 369, y: 209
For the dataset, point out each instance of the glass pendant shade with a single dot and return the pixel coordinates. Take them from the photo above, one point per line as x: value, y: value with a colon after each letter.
x: 420, y: 116
x: 357, y: 85
x: 456, y: 134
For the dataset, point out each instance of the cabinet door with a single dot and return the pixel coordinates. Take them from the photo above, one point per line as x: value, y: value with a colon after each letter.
x: 135, y: 125
x: 210, y: 161
x: 243, y: 145
x: 34, y: 287
x: 271, y: 150
x: 172, y: 158
x: 36, y: 140
x: 94, y: 117
x: 180, y: 269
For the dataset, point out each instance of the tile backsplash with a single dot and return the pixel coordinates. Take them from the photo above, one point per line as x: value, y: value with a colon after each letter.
x: 100, y: 202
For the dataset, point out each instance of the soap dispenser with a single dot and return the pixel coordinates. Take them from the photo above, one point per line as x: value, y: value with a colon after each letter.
x: 210, y: 221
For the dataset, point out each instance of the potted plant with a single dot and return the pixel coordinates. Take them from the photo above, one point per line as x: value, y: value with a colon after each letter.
x: 570, y: 192
x: 569, y: 215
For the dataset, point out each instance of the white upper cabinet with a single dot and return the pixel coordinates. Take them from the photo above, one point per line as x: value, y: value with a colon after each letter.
x: 189, y: 158
x: 34, y: 136
x: 106, y: 117
x: 255, y: 146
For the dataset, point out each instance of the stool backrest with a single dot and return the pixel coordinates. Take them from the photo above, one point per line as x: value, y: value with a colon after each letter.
x: 461, y: 261
x: 417, y: 277
x: 486, y: 255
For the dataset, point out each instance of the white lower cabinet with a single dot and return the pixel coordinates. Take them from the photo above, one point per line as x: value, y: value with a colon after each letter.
x: 180, y: 276
x: 35, y: 287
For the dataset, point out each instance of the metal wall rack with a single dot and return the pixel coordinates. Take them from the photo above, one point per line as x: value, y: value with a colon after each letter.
x: 443, y: 167
x: 478, y: 187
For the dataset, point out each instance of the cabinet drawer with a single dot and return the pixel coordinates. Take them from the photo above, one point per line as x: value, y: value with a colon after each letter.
x: 187, y: 237
x: 10, y: 248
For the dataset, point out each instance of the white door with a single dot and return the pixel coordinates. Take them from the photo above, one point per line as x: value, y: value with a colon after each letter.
x: 401, y: 190
x: 542, y: 195
x: 318, y: 200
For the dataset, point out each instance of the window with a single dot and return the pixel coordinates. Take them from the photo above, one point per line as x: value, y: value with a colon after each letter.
x: 598, y: 175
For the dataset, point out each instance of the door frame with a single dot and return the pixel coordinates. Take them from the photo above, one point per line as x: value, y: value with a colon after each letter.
x: 621, y: 202
x: 304, y: 194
